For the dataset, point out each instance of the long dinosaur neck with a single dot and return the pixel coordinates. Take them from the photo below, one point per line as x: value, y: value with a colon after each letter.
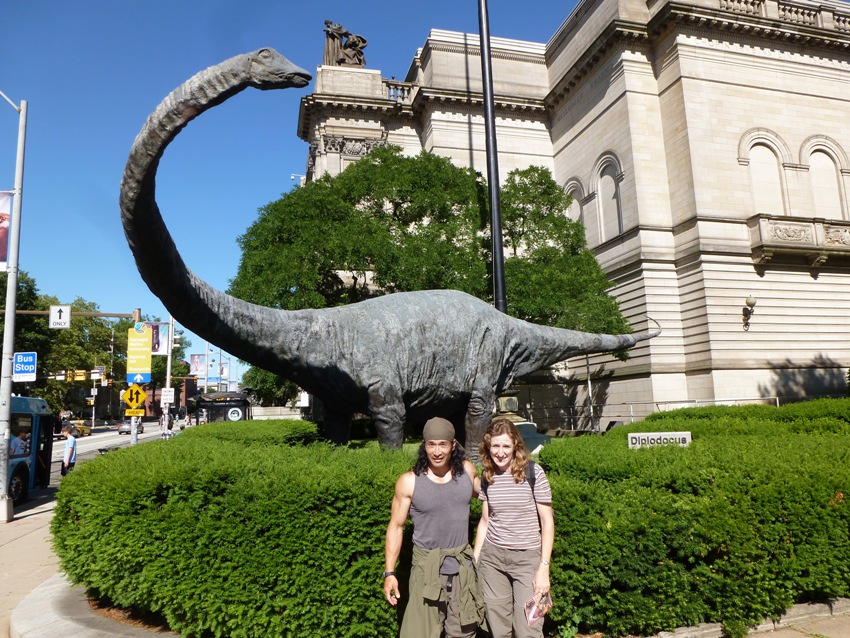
x: 198, y: 306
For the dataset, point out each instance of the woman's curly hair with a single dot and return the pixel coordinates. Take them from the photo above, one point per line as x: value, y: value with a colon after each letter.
x: 520, y: 461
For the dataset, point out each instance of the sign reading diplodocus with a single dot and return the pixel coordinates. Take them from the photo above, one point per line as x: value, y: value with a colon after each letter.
x: 651, y: 439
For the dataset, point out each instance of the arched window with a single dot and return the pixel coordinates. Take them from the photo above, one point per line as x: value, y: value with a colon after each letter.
x: 826, y: 191
x: 608, y: 197
x: 766, y: 181
x: 828, y: 168
x: 575, y: 190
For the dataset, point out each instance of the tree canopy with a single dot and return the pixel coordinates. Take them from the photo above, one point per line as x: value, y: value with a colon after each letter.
x: 393, y: 223
x: 88, y: 343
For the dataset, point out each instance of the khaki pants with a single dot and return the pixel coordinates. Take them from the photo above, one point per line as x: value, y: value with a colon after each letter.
x: 506, y: 582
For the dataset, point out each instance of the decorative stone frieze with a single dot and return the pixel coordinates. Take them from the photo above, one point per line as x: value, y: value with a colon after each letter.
x: 351, y: 146
x: 816, y: 240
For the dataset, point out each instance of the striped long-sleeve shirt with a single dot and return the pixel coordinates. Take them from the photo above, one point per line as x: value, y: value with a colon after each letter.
x: 513, y: 509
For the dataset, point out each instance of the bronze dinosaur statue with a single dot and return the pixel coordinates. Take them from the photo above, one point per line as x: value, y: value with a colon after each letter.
x: 404, y: 356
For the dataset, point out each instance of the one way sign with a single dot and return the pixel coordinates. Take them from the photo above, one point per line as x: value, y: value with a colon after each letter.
x: 60, y: 316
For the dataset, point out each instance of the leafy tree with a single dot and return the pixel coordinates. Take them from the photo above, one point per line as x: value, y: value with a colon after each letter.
x: 552, y: 278
x: 31, y: 331
x: 268, y: 388
x: 392, y: 223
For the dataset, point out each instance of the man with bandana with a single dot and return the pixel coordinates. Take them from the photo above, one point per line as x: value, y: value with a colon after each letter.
x: 443, y: 593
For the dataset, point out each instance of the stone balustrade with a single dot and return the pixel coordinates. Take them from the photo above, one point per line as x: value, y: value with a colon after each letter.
x: 401, y: 92
x: 801, y: 12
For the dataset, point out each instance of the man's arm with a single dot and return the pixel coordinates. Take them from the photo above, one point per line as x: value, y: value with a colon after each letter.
x: 395, y: 533
x: 473, y: 476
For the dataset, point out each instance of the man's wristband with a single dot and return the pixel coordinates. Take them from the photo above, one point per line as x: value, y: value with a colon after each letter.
x: 544, y: 562
x: 388, y: 574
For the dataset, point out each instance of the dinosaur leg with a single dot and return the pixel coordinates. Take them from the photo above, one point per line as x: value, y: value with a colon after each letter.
x: 479, y: 413
x: 337, y: 426
x: 388, y: 414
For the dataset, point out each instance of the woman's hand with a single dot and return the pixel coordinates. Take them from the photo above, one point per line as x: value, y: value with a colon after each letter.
x: 541, y: 581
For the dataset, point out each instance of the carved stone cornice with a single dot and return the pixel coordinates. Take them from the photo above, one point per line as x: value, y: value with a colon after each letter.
x: 428, y: 96
x: 619, y: 34
x: 317, y: 106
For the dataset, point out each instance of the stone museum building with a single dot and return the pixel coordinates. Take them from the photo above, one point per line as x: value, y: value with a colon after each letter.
x: 705, y: 144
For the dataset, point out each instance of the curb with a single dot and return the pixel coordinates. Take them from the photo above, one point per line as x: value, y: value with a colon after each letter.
x: 791, y: 619
x: 58, y: 608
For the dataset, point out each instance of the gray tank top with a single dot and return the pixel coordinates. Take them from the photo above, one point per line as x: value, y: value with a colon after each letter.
x: 440, y: 513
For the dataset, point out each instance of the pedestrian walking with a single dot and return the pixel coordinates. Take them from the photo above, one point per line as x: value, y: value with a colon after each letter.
x: 69, y: 457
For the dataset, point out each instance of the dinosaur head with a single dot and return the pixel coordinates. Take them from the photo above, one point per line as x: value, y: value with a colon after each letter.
x: 270, y: 70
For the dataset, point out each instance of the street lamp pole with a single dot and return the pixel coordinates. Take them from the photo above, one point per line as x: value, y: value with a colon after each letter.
x: 499, y: 295
x: 6, y: 504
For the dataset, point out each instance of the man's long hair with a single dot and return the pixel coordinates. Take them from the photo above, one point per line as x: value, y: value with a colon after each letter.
x: 458, y: 457
x: 520, y: 461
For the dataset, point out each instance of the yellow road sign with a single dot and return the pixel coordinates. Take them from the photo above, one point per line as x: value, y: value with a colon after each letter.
x: 134, y: 412
x: 134, y: 396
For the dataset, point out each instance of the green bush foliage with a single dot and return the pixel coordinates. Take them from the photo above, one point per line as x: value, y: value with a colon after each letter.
x: 231, y: 530
x: 254, y: 529
x: 747, y: 520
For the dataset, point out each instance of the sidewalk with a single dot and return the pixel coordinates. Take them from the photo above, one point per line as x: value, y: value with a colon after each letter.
x: 37, y: 602
x: 26, y: 556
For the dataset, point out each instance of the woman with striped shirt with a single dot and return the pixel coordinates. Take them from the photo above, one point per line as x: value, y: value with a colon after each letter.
x: 513, y: 543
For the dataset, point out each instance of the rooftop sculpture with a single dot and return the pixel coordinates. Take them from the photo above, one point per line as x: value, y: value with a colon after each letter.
x: 404, y: 356
x: 343, y: 48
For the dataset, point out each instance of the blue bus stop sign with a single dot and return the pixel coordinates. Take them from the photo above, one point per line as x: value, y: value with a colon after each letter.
x: 23, y: 366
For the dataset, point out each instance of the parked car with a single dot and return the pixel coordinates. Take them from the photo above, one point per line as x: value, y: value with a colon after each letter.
x: 127, y: 428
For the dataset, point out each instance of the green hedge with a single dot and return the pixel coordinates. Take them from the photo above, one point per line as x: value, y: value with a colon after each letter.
x: 227, y: 530
x: 252, y: 529
x: 747, y: 520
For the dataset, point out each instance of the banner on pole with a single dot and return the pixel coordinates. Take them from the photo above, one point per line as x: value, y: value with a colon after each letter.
x: 159, y: 337
x: 5, y: 222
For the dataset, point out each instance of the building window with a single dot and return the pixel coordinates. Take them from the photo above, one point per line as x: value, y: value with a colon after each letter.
x: 766, y: 181
x: 826, y: 190
x: 574, y: 190
x: 610, y: 212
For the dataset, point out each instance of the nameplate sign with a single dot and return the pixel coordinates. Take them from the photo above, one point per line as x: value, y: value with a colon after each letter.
x: 652, y: 439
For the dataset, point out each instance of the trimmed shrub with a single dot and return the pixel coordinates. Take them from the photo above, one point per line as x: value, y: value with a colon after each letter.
x: 747, y: 520
x: 253, y: 529
x: 227, y: 530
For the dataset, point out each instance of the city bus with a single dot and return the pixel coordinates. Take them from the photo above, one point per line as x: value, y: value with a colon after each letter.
x: 31, y: 446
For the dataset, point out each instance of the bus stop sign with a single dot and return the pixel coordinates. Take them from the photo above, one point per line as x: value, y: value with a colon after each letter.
x: 23, y: 366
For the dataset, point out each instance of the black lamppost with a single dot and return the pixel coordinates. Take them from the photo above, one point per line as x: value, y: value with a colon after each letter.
x: 499, y: 296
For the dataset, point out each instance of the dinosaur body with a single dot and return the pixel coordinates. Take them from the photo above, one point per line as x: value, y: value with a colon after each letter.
x: 405, y: 356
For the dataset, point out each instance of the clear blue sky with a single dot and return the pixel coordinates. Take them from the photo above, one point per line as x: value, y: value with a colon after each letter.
x: 91, y: 72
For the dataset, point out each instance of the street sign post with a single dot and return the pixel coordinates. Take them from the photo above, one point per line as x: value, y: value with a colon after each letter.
x: 60, y: 317
x: 23, y: 366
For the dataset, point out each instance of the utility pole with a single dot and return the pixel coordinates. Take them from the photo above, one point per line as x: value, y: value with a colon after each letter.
x: 6, y: 504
